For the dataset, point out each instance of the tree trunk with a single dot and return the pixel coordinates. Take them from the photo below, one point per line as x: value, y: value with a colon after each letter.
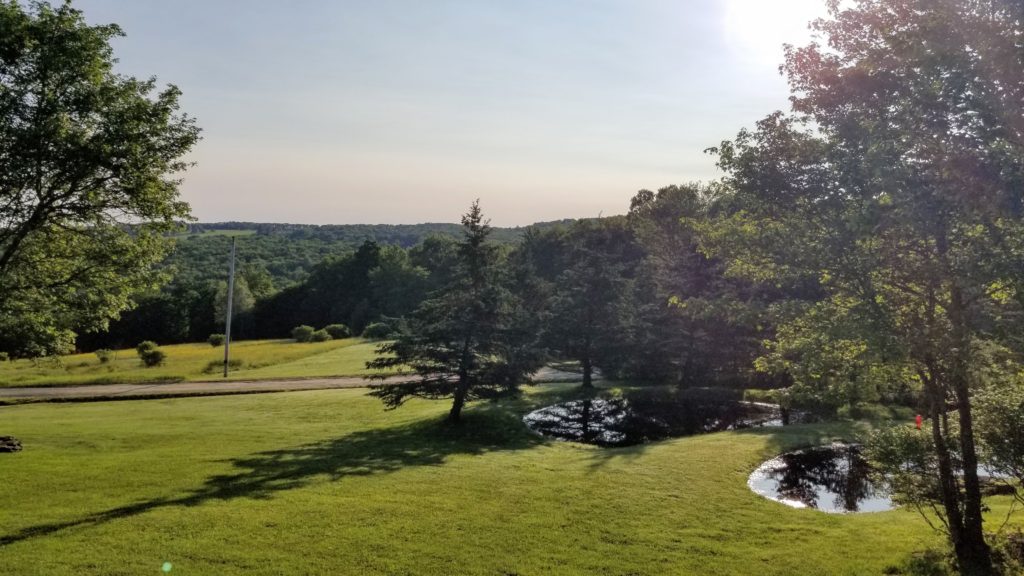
x: 947, y: 477
x: 973, y: 555
x: 963, y: 511
x: 460, y: 400
x: 462, y: 387
x: 588, y: 371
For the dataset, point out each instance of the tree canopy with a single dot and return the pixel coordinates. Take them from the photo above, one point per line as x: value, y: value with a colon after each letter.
x: 89, y: 165
x: 895, y: 185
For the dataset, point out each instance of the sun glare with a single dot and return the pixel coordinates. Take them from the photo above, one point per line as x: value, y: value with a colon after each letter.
x: 758, y: 28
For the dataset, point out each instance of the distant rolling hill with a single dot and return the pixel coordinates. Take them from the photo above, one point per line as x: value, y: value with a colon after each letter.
x: 289, y: 251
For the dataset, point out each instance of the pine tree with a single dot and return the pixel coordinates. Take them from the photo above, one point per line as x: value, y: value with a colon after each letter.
x: 458, y: 342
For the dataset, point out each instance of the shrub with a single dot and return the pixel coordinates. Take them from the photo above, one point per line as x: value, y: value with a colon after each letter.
x: 154, y: 357
x: 150, y: 354
x: 377, y: 331
x: 303, y: 333
x: 338, y: 331
x: 105, y: 355
x: 216, y: 340
x: 145, y: 346
x: 4, y: 356
x: 320, y: 336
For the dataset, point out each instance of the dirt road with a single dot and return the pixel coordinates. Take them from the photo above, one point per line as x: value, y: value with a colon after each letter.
x: 89, y: 392
x: 117, y: 391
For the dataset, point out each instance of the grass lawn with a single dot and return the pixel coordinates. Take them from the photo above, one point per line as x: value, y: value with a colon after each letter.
x: 260, y: 359
x: 327, y: 482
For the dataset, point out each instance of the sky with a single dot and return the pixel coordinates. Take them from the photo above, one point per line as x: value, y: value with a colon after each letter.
x: 405, y: 111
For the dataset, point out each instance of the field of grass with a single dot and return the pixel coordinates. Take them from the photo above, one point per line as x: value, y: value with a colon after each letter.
x: 328, y: 482
x: 258, y: 359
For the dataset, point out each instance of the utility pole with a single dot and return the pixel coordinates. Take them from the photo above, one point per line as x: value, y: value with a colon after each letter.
x: 231, y: 297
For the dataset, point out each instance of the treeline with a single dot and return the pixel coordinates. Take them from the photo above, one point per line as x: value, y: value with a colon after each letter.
x: 284, y: 261
x: 288, y: 252
x: 404, y: 235
x: 630, y: 296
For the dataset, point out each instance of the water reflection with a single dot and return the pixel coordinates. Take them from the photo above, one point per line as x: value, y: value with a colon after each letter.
x: 831, y: 478
x: 646, y: 417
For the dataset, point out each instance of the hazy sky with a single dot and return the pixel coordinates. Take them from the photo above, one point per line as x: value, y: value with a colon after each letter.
x: 395, y: 111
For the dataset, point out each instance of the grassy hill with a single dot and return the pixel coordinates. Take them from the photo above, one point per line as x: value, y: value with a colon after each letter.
x: 256, y: 359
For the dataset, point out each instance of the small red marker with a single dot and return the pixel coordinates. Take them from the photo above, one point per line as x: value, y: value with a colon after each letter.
x: 918, y: 421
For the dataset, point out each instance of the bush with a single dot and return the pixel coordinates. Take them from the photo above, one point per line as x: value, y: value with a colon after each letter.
x: 145, y: 346
x: 4, y: 356
x: 150, y: 353
x: 152, y: 357
x: 105, y: 355
x: 320, y: 336
x: 338, y: 331
x: 377, y: 331
x: 303, y: 333
x: 216, y: 340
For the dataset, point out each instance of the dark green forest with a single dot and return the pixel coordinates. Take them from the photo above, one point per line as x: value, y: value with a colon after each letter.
x: 630, y: 296
x: 276, y: 262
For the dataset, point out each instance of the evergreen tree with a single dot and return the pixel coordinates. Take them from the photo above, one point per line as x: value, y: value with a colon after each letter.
x: 459, y: 342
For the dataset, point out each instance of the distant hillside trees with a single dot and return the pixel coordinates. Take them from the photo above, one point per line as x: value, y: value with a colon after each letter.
x: 89, y: 168
x: 354, y: 290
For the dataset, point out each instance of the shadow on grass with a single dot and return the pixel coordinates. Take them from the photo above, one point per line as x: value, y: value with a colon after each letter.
x: 484, y: 429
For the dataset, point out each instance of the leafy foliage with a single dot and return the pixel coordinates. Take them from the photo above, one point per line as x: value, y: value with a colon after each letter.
x: 303, y: 333
x: 150, y: 354
x: 338, y: 331
x: 894, y: 187
x: 378, y: 331
x: 88, y: 185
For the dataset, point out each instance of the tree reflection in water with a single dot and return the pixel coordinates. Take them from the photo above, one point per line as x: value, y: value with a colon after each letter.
x: 640, y: 418
x: 832, y: 478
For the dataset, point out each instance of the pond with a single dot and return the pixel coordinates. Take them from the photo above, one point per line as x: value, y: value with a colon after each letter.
x: 639, y: 418
x: 834, y: 478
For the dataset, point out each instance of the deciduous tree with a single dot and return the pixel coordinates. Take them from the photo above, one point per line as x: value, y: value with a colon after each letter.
x: 896, y: 185
x: 89, y: 161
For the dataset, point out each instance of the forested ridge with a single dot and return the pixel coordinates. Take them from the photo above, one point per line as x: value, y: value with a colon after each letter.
x: 272, y: 258
x: 289, y: 251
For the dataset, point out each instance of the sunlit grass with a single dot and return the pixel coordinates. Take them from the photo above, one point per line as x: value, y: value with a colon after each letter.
x: 190, y: 362
x: 328, y: 482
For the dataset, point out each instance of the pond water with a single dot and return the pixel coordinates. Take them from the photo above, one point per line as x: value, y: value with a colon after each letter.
x: 834, y: 478
x: 642, y: 418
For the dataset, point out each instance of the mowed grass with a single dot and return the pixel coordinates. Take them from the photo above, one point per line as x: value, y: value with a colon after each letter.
x: 327, y: 482
x: 258, y: 359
